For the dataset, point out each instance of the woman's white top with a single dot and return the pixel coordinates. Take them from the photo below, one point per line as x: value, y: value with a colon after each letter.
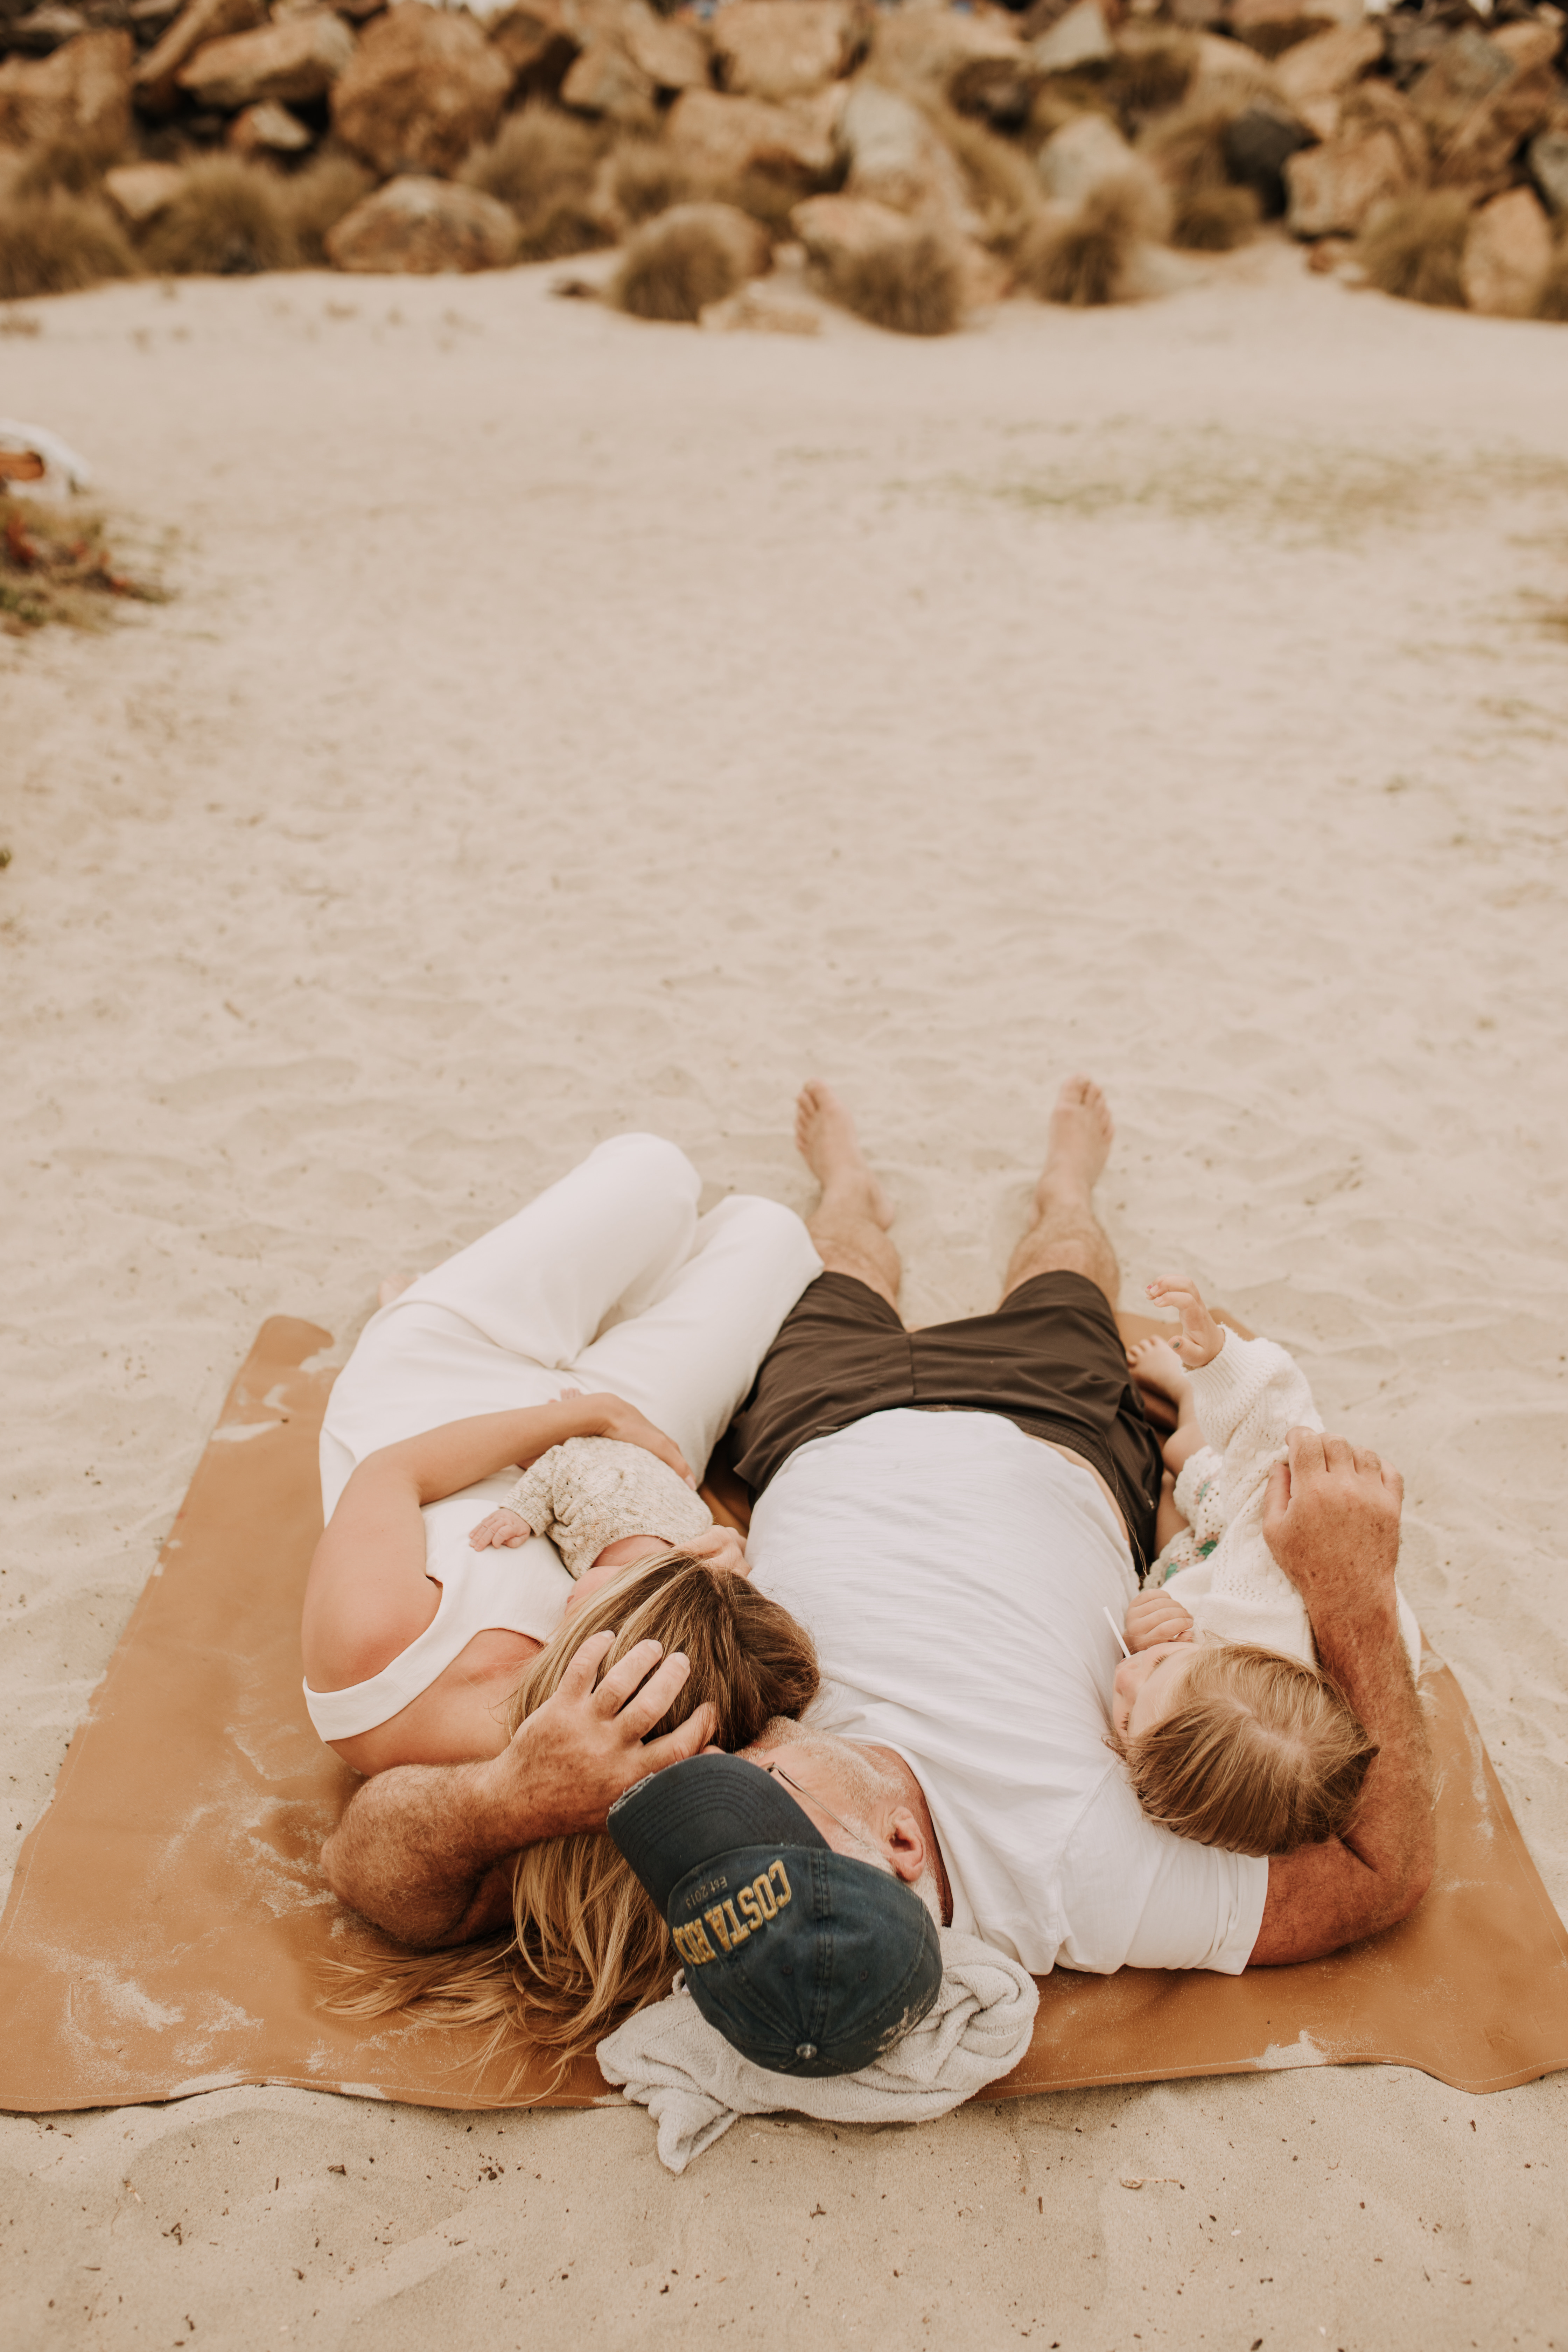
x: 522, y: 1591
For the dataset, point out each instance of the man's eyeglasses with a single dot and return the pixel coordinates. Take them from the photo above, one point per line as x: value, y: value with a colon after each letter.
x: 812, y: 1799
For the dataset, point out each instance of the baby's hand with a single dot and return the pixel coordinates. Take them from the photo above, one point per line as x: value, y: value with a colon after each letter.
x: 1201, y: 1337
x: 1157, y: 1617
x: 503, y: 1526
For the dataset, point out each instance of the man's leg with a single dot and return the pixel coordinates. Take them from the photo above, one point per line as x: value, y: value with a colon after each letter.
x: 1065, y: 1236
x: 850, y: 1227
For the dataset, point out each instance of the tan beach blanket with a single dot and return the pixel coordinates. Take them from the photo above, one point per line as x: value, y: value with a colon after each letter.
x: 167, y: 1922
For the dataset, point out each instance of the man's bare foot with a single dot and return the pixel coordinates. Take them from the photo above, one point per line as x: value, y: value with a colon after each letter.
x: 826, y: 1138
x: 1155, y: 1364
x: 1081, y: 1133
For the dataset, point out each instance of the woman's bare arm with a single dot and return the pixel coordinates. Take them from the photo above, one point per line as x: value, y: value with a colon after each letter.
x: 368, y: 1595
x: 1332, y: 1523
x: 422, y: 1850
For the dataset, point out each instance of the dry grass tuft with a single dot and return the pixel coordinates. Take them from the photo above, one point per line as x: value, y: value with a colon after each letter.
x: 317, y: 198
x: 644, y: 178
x: 1553, y: 302
x: 542, y: 163
x: 913, y: 286
x: 229, y: 220
x: 1187, y: 150
x: 1003, y: 185
x: 1413, y: 248
x: 60, y: 242
x: 1215, y: 220
x: 1083, y: 260
x: 692, y: 256
x: 1153, y: 69
x: 55, y: 566
x: 77, y: 165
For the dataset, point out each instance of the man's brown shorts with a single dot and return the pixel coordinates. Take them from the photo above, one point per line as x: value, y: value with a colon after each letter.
x: 1050, y: 1358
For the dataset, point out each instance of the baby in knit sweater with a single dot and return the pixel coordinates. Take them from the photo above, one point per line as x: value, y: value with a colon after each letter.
x: 589, y: 1496
x: 1237, y: 1738
x: 1216, y: 1579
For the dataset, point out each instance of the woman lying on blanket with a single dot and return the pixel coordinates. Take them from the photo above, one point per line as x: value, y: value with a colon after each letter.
x: 439, y: 1618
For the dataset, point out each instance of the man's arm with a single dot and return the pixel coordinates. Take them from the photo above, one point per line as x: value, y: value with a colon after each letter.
x: 422, y: 1850
x: 1332, y: 1521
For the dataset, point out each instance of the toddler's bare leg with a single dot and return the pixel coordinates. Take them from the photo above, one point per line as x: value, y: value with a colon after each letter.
x: 1156, y: 1367
x: 1065, y: 1236
x: 850, y: 1227
x: 1168, y: 1520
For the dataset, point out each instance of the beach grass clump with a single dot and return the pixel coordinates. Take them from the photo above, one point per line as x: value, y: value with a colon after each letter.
x: 1083, y: 260
x: 76, y: 165
x: 60, y: 242
x: 1153, y: 69
x: 229, y: 219
x: 1188, y: 149
x: 1554, y: 301
x: 317, y: 198
x: 644, y: 177
x: 55, y: 565
x: 1413, y: 248
x: 543, y: 164
x: 1215, y: 220
x: 911, y: 285
x: 1005, y: 185
x: 676, y: 265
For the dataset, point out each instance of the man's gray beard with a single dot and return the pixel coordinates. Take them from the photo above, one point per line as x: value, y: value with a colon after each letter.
x: 863, y: 1783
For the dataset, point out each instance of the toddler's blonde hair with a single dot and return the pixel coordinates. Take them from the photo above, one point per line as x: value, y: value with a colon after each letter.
x: 1260, y: 1754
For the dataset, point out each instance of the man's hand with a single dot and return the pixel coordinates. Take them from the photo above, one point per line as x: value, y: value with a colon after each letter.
x: 1157, y: 1617
x: 571, y: 1758
x: 418, y: 1848
x: 1330, y: 1519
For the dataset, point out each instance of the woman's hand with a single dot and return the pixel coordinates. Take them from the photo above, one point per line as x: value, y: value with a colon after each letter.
x: 611, y: 1416
x: 1157, y: 1617
x: 503, y: 1526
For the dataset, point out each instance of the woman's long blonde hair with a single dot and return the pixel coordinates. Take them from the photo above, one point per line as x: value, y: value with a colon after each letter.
x: 588, y: 1947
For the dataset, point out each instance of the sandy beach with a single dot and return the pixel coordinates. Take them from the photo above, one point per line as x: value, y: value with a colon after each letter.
x: 565, y: 725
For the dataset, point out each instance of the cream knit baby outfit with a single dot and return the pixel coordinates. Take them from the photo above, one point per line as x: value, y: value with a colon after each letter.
x: 1246, y: 1399
x: 590, y: 1491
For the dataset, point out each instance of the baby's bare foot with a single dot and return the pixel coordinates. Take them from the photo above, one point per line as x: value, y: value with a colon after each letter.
x: 1155, y: 1364
x: 826, y: 1138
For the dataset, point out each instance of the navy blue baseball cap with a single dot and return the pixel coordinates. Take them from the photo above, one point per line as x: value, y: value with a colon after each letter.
x: 807, y: 1961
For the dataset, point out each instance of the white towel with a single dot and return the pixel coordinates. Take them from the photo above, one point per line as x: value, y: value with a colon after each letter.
x: 681, y: 2069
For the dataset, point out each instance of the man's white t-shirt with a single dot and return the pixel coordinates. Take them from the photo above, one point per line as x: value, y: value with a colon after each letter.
x: 955, y: 1575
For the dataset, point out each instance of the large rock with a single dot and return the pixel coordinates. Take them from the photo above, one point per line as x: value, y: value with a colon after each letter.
x: 422, y: 227
x: 1334, y: 188
x: 1508, y: 255
x: 674, y: 56
x: 1081, y: 37
x: 1468, y: 72
x: 607, y: 81
x: 267, y: 130
x: 782, y: 48
x: 718, y: 138
x: 423, y: 87
x: 157, y: 76
x: 293, y: 61
x: 1313, y: 76
x: 1082, y: 155
x: 895, y: 158
x: 536, y: 40
x: 142, y: 191
x: 82, y: 92
x: 1476, y: 144
x: 927, y: 48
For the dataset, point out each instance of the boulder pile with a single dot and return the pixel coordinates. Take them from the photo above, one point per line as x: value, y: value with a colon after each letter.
x: 918, y: 159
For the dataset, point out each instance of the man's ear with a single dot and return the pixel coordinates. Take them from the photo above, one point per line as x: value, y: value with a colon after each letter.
x: 906, y: 1845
